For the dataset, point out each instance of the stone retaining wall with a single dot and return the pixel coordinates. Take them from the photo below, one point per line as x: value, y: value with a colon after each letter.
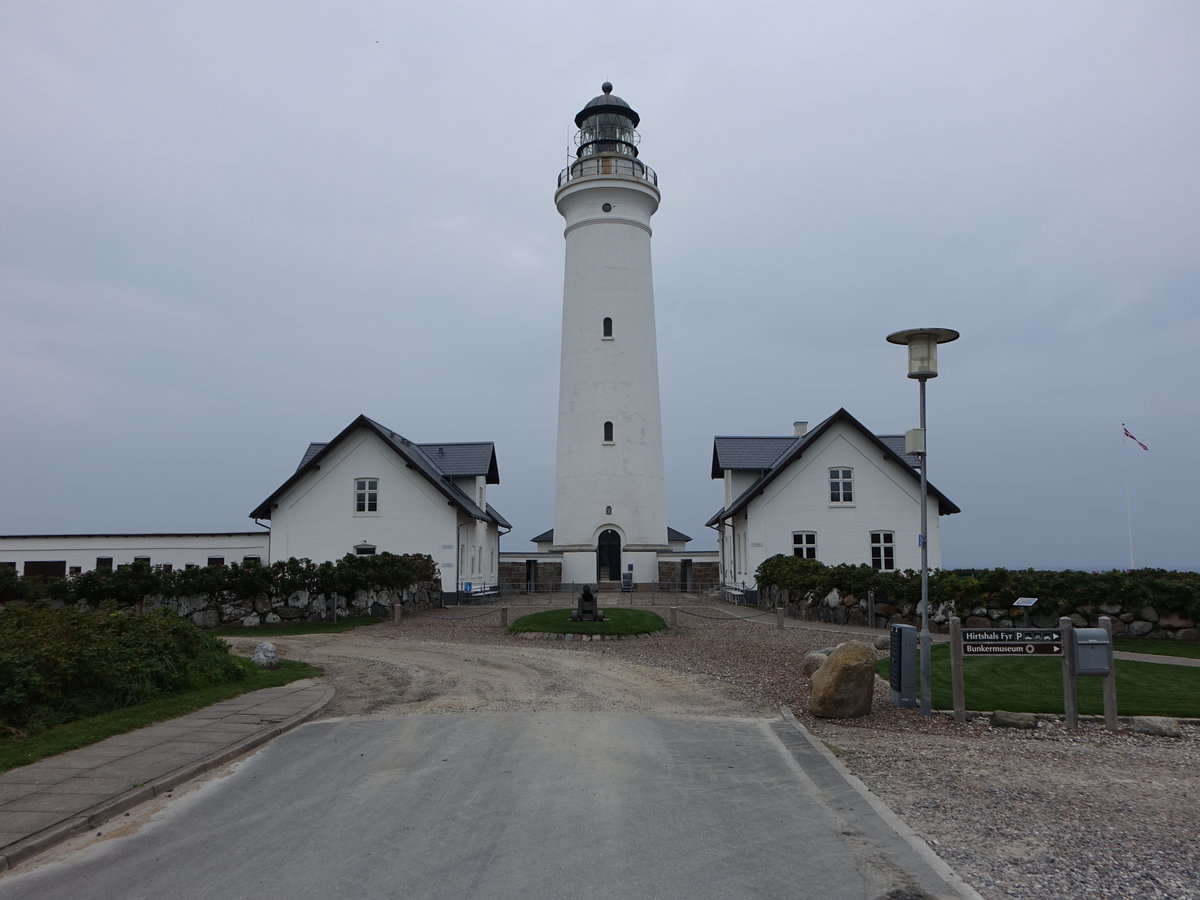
x: 839, y: 609
x: 301, y: 606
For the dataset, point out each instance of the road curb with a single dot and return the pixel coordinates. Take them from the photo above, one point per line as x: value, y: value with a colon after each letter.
x: 922, y: 849
x: 101, y: 812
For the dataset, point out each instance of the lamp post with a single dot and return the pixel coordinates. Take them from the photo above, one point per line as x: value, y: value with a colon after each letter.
x: 922, y: 365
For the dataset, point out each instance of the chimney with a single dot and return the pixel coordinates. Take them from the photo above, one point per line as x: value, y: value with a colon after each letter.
x: 801, y: 428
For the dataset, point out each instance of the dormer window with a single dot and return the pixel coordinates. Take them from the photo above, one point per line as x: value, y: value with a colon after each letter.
x: 366, y: 496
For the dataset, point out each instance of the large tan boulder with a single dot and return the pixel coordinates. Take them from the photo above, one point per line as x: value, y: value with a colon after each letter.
x: 844, y: 686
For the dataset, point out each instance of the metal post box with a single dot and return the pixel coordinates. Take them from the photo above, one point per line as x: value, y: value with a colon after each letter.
x: 1093, y: 652
x: 904, y: 666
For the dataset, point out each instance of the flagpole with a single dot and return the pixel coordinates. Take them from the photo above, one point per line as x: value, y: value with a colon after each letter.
x: 1128, y: 499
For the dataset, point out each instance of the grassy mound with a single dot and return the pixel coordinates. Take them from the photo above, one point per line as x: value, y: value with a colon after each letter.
x: 59, y: 665
x: 616, y: 621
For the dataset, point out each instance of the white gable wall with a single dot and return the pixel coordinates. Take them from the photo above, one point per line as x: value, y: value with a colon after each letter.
x: 316, y: 517
x: 886, y: 498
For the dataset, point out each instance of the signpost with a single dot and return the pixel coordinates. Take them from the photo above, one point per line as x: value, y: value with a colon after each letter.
x: 1063, y: 642
x: 1012, y: 642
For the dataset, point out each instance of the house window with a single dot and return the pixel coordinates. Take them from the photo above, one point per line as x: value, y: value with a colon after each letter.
x: 883, y: 550
x: 103, y: 563
x: 366, y: 495
x: 841, y: 485
x: 607, y: 328
x: 75, y: 570
x: 804, y: 544
x: 216, y: 560
x: 608, y: 432
x: 167, y: 567
x: 141, y: 559
x: 364, y: 549
x: 251, y: 560
x: 189, y: 566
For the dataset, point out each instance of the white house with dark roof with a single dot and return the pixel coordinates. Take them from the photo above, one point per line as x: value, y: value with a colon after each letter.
x: 370, y: 490
x: 837, y: 494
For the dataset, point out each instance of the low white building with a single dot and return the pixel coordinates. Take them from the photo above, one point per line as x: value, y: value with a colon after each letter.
x: 369, y: 490
x: 837, y: 494
x: 55, y: 555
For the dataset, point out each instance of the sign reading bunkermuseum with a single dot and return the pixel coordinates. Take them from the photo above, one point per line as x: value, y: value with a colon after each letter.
x: 1012, y: 642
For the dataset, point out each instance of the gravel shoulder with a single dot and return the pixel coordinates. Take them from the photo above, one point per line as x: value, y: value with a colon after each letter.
x: 1046, y: 813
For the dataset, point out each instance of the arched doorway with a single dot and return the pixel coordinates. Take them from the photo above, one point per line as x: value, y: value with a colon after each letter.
x: 608, y: 556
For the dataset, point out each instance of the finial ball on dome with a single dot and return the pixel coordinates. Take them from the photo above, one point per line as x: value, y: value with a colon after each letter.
x: 606, y: 87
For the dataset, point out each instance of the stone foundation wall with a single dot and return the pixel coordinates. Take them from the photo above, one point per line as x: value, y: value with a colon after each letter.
x: 839, y: 609
x: 301, y: 606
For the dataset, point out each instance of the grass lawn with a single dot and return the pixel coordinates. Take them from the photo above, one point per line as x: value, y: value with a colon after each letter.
x: 616, y: 621
x: 1035, y: 685
x: 16, y: 752
x: 1159, y: 648
x: 286, y: 628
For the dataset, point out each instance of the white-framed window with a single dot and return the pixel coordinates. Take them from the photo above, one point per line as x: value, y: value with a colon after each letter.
x: 251, y: 560
x: 364, y: 549
x: 216, y: 561
x: 883, y: 550
x: 804, y: 544
x: 366, y: 496
x: 841, y: 485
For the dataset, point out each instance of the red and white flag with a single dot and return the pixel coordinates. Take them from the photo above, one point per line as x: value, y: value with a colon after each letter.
x: 1132, y: 438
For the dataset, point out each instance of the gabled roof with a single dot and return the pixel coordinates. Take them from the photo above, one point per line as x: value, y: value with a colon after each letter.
x: 756, y: 449
x: 462, y: 460
x: 547, y: 537
x: 741, y: 453
x: 416, y: 458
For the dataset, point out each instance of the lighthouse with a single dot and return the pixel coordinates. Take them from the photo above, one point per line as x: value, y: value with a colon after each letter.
x: 609, y: 493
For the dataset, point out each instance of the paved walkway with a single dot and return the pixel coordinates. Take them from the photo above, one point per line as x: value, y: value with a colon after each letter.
x: 50, y: 801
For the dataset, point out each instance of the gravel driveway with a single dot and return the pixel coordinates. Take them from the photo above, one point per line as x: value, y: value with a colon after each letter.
x: 1049, y: 813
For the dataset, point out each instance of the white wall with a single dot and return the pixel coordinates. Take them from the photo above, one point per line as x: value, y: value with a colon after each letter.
x: 316, y: 518
x: 886, y: 498
x: 176, y: 550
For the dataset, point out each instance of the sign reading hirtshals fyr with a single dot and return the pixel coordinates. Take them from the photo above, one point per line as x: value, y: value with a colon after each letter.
x: 1012, y: 642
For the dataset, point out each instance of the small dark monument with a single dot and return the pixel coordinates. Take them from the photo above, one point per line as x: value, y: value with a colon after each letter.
x: 586, y: 609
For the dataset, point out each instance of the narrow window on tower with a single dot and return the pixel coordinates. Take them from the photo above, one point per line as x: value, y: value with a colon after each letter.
x: 607, y: 332
x: 608, y: 432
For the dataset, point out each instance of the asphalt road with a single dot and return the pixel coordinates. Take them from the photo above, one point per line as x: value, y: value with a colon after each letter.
x: 528, y: 805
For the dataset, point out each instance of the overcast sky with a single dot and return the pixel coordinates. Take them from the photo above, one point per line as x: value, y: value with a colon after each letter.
x: 228, y: 228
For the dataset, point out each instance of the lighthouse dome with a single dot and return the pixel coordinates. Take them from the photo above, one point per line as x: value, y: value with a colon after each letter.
x: 607, y: 102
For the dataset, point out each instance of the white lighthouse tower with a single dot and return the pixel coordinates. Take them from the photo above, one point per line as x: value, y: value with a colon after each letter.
x: 609, y: 495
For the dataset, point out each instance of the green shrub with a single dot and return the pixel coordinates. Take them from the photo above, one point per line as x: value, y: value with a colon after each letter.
x: 1060, y: 592
x: 58, y: 665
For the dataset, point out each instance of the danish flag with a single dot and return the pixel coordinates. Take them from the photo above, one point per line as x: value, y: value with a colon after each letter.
x: 1132, y: 438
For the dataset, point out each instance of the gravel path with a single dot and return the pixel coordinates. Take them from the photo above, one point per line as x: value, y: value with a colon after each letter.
x: 1023, y: 814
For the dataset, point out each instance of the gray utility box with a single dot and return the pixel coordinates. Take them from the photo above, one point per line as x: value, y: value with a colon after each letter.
x: 904, y: 666
x: 1093, y: 651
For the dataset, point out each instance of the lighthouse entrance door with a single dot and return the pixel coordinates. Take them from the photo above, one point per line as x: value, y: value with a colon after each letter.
x: 608, y: 556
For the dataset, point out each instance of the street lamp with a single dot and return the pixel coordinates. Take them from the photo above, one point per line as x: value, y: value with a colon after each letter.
x: 922, y: 365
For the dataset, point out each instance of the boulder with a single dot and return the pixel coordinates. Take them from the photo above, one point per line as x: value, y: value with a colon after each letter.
x: 1149, y: 613
x: 207, y: 618
x: 1175, y: 620
x: 1140, y: 629
x: 265, y: 656
x: 812, y: 661
x: 883, y: 641
x: 1004, y: 719
x: 1161, y: 726
x: 845, y: 684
